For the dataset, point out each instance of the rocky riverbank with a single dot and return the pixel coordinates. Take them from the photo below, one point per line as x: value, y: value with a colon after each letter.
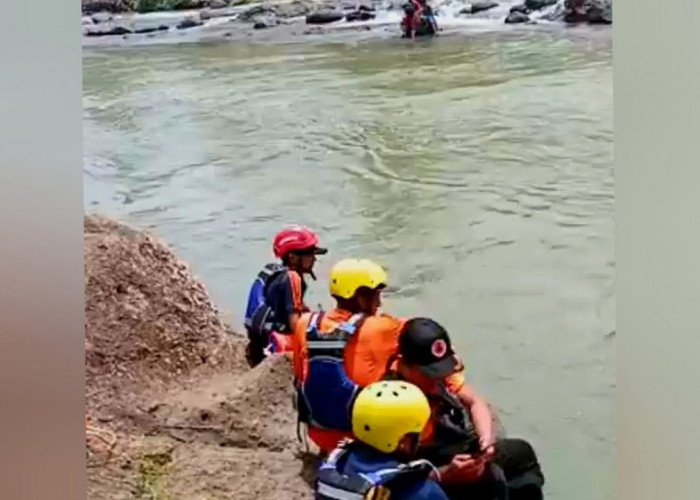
x: 236, y: 19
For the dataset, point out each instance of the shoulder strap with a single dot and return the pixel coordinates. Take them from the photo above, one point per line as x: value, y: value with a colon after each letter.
x: 270, y: 270
x: 314, y: 326
x: 348, y: 328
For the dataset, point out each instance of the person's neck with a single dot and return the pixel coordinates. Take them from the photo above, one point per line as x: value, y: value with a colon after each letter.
x: 370, y: 450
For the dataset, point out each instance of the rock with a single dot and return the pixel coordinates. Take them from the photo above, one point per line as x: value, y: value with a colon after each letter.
x: 324, y: 17
x: 359, y: 15
x: 520, y: 8
x: 296, y: 8
x: 217, y: 4
x: 87, y: 21
x: 299, y: 8
x: 266, y: 21
x: 111, y: 31
x: 539, y: 4
x: 517, y: 18
x: 478, y: 7
x: 142, y: 31
x: 101, y: 17
x: 257, y: 10
x: 208, y: 13
x: 588, y: 11
x: 189, y: 22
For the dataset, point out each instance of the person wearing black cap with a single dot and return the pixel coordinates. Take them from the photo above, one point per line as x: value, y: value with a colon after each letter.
x: 462, y: 423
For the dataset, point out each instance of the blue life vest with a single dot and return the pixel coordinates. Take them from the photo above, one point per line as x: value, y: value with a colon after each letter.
x: 259, y: 317
x: 374, y: 481
x: 326, y: 397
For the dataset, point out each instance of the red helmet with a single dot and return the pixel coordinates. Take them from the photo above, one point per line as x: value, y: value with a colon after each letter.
x: 296, y: 239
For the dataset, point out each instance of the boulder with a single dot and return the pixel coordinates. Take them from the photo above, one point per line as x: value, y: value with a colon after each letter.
x: 539, y: 4
x: 324, y: 17
x: 265, y: 21
x: 519, y: 8
x: 360, y: 15
x: 109, y: 31
x: 209, y: 13
x: 189, y: 22
x: 102, y: 17
x: 517, y: 18
x: 478, y: 7
x: 142, y: 31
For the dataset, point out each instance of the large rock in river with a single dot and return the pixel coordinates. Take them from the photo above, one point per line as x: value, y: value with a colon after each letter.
x: 517, y: 17
x: 479, y: 6
x: 539, y: 4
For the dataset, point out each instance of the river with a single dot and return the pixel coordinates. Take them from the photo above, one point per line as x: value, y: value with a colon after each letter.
x: 477, y: 169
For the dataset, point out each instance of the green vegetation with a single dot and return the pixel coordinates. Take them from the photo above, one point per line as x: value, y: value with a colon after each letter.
x: 153, y: 476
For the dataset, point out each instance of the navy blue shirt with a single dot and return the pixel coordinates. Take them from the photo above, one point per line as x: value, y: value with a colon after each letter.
x: 285, y: 295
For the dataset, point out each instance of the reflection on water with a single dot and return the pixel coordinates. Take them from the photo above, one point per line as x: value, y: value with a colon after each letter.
x: 478, y: 170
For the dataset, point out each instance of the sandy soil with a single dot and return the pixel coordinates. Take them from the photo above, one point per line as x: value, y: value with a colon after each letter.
x: 173, y: 410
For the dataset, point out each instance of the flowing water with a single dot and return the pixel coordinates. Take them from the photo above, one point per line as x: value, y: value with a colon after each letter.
x: 477, y: 169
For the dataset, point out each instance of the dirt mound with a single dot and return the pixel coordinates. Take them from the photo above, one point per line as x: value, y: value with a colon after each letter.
x: 148, y: 322
x: 253, y: 410
x: 174, y: 409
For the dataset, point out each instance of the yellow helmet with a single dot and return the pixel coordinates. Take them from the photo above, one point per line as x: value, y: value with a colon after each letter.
x: 384, y: 412
x: 348, y: 275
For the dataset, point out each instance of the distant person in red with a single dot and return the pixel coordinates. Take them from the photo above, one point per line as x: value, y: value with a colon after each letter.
x: 416, y: 12
x: 276, y: 297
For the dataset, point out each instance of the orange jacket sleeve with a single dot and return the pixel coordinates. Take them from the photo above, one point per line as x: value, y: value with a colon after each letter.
x: 297, y: 296
x: 299, y: 348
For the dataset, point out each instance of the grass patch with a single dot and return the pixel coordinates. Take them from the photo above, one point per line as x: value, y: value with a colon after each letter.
x: 153, y: 476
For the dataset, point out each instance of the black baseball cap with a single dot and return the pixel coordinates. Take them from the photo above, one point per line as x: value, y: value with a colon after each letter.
x: 425, y: 344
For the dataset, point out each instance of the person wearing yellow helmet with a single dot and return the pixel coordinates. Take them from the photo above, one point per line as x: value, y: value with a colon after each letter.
x: 387, y: 419
x: 340, y: 351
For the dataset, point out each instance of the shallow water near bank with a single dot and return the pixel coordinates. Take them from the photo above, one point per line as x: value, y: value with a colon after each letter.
x: 478, y: 169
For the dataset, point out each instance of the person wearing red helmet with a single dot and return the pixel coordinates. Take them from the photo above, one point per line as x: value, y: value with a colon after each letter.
x: 276, y: 298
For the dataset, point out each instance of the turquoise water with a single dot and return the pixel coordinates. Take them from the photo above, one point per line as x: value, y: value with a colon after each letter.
x: 478, y: 170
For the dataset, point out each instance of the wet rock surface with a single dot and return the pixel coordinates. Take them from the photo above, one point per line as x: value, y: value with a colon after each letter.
x: 517, y: 17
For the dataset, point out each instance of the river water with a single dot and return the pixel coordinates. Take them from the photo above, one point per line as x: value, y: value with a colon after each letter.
x: 478, y: 170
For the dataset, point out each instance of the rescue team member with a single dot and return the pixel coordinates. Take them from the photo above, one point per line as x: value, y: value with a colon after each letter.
x: 276, y: 297
x: 387, y: 418
x: 461, y: 421
x: 338, y: 352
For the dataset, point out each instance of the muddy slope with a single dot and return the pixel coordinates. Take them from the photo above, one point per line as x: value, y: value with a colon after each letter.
x: 173, y: 410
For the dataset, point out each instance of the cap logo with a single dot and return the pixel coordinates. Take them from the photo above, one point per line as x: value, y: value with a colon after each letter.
x: 439, y: 348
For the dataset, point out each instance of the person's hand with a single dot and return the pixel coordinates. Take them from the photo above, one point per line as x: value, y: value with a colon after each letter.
x: 463, y: 469
x: 487, y: 447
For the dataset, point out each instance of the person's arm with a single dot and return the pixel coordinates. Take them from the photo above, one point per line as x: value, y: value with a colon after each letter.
x: 294, y: 301
x: 481, y: 416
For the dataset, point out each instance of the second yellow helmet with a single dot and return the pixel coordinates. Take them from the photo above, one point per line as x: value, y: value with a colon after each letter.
x: 384, y: 412
x: 348, y: 275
